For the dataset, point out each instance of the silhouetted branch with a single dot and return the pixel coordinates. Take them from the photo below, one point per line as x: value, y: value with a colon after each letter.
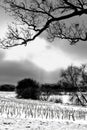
x: 39, y: 16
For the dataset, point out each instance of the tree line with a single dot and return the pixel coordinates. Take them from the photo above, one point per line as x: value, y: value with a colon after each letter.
x: 7, y: 87
x: 73, y: 79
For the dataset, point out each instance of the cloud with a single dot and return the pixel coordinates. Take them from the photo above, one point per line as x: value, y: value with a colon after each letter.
x: 17, y: 64
x: 39, y: 60
x: 12, y: 72
x: 77, y: 52
x: 41, y: 53
x: 16, y: 70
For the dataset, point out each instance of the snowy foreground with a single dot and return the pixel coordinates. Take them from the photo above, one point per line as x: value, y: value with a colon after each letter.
x: 11, y: 110
x: 23, y: 124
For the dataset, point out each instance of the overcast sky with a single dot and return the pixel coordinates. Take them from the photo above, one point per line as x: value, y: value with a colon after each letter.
x: 39, y: 60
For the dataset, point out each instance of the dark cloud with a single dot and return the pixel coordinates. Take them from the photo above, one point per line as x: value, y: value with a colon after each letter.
x: 15, y: 70
x: 12, y: 72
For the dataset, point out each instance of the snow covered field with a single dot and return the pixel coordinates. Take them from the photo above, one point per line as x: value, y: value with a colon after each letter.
x: 22, y: 124
x: 34, y: 124
x: 8, y: 94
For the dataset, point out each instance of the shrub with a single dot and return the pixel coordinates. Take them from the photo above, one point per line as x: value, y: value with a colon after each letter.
x: 43, y: 96
x: 28, y: 89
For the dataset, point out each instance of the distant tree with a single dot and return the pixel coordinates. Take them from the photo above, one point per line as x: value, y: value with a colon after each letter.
x: 27, y: 88
x: 7, y: 87
x: 74, y: 77
x: 56, y: 17
x: 71, y: 76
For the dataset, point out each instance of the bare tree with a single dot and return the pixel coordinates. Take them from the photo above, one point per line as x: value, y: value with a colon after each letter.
x: 71, y: 75
x: 76, y: 77
x: 56, y: 17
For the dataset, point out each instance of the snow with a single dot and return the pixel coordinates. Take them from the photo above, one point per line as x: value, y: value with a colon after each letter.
x: 7, y: 94
x: 22, y: 124
x: 7, y: 123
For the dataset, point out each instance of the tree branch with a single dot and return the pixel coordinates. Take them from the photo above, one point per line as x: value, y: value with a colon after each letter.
x: 40, y: 16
